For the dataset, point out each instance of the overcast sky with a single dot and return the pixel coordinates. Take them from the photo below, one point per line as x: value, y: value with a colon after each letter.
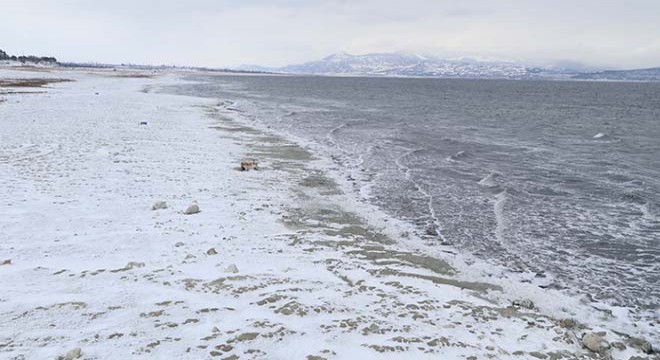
x: 605, y: 33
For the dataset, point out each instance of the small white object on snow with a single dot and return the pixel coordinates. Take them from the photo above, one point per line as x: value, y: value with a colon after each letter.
x: 192, y: 209
x: 232, y: 269
x: 158, y: 205
x: 71, y: 354
x: 524, y: 303
x: 595, y: 342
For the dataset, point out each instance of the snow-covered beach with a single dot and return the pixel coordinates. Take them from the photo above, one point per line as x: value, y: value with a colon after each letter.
x: 281, y: 262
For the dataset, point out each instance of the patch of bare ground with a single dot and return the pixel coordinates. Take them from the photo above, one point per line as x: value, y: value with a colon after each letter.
x: 13, y: 83
x: 31, y: 68
x: 19, y: 93
x: 134, y: 76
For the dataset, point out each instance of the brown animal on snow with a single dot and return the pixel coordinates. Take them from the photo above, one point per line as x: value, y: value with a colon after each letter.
x: 248, y: 165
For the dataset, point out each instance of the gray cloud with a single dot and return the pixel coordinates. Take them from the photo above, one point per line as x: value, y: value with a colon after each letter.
x: 619, y: 34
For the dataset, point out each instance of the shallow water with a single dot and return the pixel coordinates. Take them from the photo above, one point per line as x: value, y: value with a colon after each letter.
x: 557, y: 178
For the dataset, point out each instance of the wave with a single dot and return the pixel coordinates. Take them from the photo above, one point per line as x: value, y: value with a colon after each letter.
x: 500, y: 219
x: 490, y: 180
x: 647, y: 213
x: 434, y: 228
x: 456, y: 157
x: 334, y: 131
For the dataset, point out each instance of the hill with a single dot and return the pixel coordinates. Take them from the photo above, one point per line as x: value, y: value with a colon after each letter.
x: 413, y: 65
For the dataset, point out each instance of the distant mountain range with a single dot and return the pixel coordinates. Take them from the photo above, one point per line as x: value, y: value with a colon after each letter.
x: 413, y: 65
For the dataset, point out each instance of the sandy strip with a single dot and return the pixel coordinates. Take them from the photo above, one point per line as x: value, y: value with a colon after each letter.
x: 273, y: 267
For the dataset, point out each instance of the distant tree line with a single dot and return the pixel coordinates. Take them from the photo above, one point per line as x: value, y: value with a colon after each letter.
x: 28, y: 58
x: 51, y: 60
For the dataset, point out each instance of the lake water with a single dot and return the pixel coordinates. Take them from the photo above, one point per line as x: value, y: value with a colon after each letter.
x: 561, y: 179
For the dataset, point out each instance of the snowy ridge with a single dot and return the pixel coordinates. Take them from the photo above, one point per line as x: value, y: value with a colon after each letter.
x: 401, y: 64
x: 412, y: 65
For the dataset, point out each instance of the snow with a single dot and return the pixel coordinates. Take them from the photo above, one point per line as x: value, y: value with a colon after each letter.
x: 301, y: 270
x: 403, y: 64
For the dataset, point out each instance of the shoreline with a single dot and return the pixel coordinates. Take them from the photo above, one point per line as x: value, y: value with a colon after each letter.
x: 470, y: 267
x: 296, y: 273
x: 516, y: 285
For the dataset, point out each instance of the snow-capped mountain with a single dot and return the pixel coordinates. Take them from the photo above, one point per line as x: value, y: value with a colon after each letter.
x: 413, y: 65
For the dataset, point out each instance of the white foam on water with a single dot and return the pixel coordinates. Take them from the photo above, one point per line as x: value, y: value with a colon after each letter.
x: 489, y: 180
x: 647, y: 214
x: 409, y: 177
x: 498, y: 208
x: 455, y: 157
x: 331, y: 136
